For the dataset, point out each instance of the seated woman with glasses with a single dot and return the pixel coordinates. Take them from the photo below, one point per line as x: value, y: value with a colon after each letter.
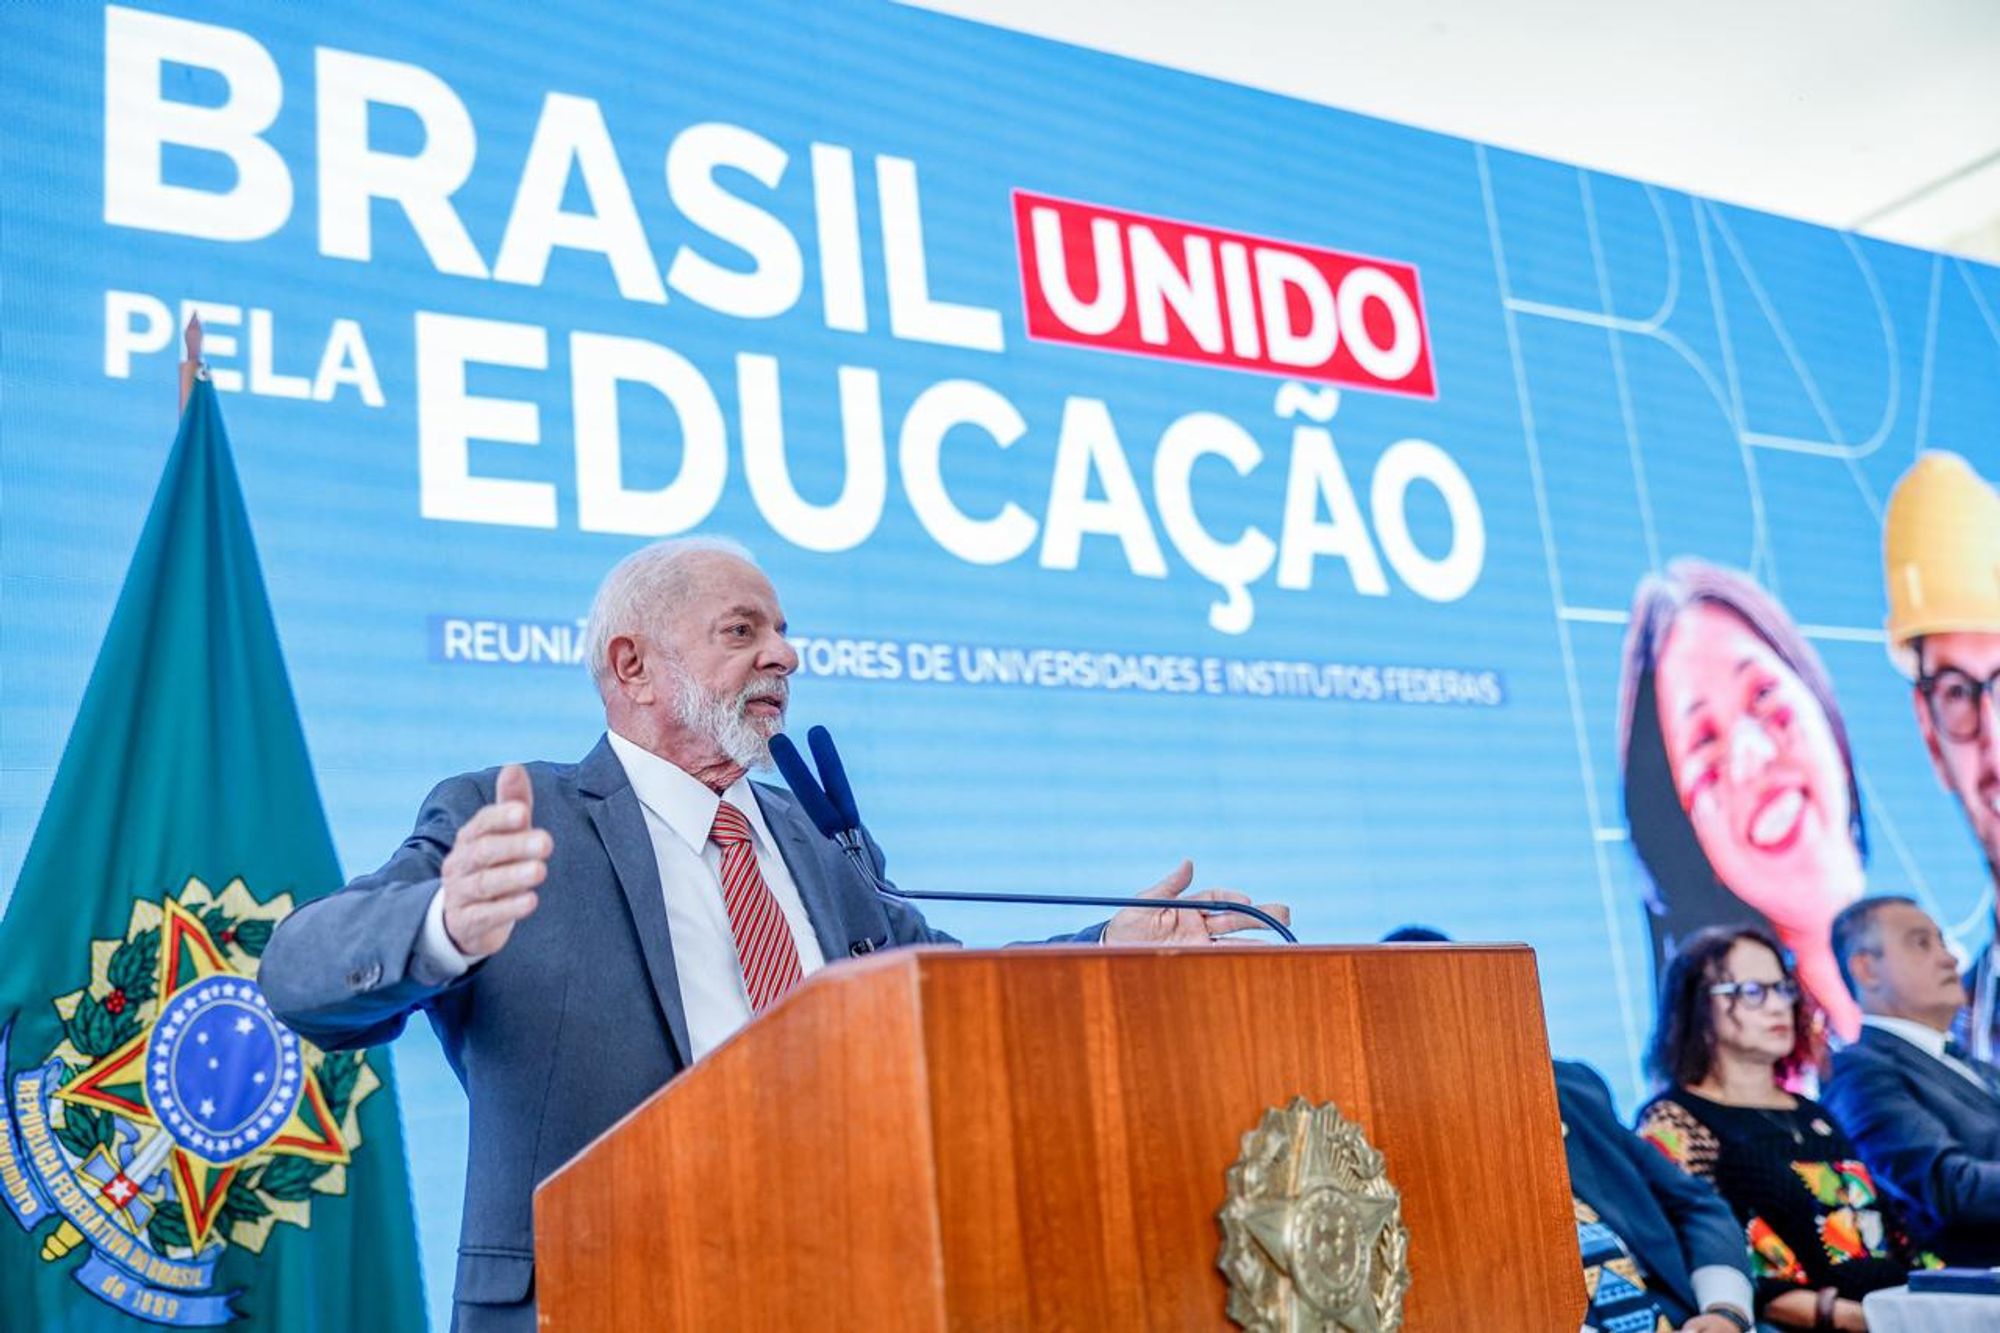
x: 1731, y: 1030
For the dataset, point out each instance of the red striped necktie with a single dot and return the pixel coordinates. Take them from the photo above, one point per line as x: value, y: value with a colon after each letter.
x: 764, y: 947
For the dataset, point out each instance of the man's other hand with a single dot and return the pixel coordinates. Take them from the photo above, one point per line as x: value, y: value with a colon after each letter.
x: 497, y: 862
x: 1167, y: 925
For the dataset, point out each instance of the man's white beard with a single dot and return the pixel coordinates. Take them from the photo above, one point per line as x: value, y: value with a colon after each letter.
x: 725, y: 723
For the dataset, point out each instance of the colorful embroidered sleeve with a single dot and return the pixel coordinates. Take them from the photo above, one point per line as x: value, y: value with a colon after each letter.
x: 1686, y: 1142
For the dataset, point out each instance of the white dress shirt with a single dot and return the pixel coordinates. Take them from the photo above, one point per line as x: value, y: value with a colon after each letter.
x: 1928, y: 1040
x: 679, y: 812
x: 1719, y: 1284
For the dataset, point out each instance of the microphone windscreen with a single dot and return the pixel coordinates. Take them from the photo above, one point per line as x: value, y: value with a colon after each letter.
x: 804, y: 786
x: 834, y: 774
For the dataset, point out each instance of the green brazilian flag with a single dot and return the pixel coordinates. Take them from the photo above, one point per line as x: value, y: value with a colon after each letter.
x: 169, y: 1154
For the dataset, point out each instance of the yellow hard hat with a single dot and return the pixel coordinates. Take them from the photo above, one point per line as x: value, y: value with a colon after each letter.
x: 1940, y: 554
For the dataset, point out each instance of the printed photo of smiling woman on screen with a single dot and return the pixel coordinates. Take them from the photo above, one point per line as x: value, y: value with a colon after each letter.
x: 1739, y: 785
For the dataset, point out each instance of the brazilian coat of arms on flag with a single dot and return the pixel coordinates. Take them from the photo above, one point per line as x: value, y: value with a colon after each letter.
x: 171, y: 1153
x: 177, y: 1117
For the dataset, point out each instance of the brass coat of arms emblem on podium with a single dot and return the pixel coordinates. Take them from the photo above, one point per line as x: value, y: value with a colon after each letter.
x: 1313, y: 1234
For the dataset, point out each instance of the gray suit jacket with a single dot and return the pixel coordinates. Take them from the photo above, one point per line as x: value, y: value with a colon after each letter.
x: 574, y: 1022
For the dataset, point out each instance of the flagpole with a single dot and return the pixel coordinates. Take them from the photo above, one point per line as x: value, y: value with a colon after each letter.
x: 150, y: 1153
x: 192, y: 368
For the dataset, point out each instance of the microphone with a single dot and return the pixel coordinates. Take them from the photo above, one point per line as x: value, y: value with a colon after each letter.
x: 833, y: 773
x: 829, y: 803
x: 792, y: 767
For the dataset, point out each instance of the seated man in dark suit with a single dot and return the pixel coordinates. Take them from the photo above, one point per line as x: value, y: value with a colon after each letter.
x: 1661, y: 1250
x: 1923, y: 1112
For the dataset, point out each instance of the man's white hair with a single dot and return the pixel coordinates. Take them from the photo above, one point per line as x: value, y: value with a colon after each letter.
x: 643, y: 591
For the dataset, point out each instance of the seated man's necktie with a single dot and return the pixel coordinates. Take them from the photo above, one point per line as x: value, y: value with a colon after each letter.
x: 1619, y: 1301
x: 1987, y: 1073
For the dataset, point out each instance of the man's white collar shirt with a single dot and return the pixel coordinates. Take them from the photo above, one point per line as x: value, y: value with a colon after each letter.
x: 1928, y: 1040
x: 680, y: 811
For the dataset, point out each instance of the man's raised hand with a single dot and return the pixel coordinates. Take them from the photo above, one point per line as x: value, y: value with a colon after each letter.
x: 494, y: 868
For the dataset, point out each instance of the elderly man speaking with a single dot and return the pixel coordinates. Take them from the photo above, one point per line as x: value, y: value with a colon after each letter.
x: 580, y: 933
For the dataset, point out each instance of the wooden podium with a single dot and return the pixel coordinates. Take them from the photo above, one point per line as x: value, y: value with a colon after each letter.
x: 1038, y: 1139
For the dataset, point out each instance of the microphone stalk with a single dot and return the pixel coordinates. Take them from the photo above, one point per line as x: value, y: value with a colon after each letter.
x: 857, y: 856
x: 832, y: 809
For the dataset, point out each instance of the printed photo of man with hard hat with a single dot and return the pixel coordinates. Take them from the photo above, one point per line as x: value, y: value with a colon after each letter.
x: 1941, y: 558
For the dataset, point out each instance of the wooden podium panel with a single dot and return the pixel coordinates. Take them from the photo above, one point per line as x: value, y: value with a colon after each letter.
x: 1038, y: 1139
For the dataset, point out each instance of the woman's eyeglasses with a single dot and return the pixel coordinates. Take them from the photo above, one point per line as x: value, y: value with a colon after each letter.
x: 1754, y: 993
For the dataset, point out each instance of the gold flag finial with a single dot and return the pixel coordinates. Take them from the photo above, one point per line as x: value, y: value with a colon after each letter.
x: 191, y: 368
